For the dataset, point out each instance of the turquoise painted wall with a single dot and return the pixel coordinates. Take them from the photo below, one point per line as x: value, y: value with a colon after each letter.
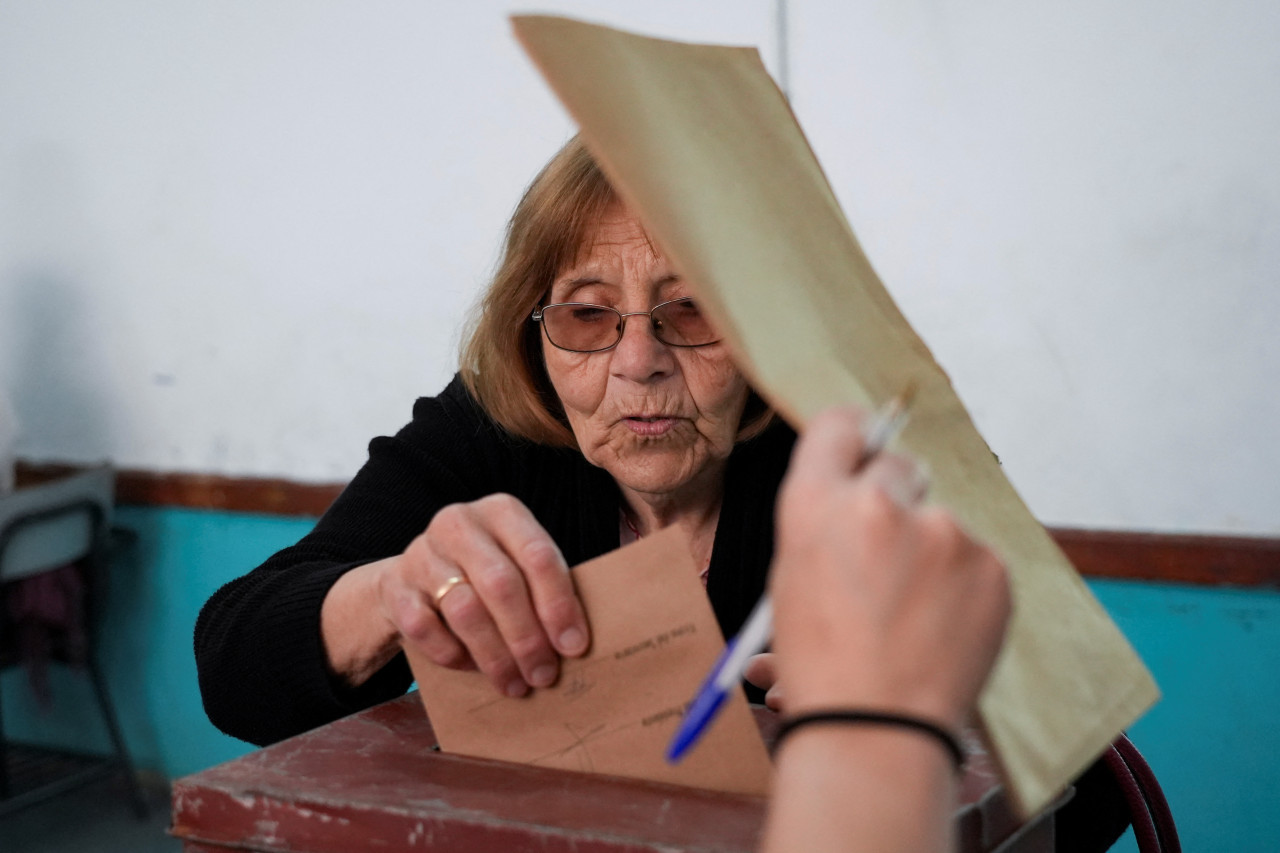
x: 155, y: 591
x: 1213, y: 740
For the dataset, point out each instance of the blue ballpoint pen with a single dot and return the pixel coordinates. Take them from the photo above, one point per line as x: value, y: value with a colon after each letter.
x: 758, y: 630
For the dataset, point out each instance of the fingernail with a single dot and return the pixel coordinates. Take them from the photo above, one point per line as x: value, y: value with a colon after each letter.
x: 572, y: 641
x: 517, y: 688
x: 543, y: 676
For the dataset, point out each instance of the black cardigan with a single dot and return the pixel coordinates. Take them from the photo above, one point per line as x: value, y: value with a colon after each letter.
x: 258, y: 648
x: 259, y: 653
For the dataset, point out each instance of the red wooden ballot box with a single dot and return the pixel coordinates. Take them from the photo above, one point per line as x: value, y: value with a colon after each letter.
x: 375, y: 781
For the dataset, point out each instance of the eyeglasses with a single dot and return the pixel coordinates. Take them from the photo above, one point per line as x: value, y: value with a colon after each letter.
x: 583, y: 327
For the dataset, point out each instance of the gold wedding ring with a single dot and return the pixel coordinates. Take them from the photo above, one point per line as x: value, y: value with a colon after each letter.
x: 443, y: 590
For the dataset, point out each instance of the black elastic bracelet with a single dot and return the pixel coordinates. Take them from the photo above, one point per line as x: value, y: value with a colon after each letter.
x: 948, y: 740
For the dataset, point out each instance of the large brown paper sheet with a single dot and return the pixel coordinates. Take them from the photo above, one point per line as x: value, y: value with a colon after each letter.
x: 702, y: 145
x: 653, y: 639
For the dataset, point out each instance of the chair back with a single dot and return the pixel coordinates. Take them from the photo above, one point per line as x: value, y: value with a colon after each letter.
x: 54, y: 523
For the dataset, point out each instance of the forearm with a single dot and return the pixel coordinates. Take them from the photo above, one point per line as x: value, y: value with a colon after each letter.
x: 261, y: 659
x: 358, y: 638
x: 861, y: 788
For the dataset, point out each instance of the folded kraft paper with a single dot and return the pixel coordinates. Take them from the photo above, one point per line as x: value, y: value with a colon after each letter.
x: 701, y: 144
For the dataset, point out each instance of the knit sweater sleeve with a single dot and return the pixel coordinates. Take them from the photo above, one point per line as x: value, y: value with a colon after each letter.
x: 259, y: 652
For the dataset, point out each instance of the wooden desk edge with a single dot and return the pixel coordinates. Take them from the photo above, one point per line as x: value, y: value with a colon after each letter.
x: 277, y: 798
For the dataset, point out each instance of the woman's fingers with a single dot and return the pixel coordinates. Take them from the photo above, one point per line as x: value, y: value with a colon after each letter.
x: 549, y: 583
x: 454, y: 630
x: 496, y: 617
x: 468, y: 617
x: 411, y: 612
x: 499, y: 589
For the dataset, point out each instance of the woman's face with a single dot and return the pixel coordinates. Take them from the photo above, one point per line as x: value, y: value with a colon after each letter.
x: 660, y: 419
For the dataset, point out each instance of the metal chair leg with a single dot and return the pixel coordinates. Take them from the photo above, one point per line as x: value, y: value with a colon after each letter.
x: 117, y: 740
x: 5, y: 793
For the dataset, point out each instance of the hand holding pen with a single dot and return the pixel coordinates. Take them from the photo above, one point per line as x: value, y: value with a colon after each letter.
x: 757, y: 631
x: 881, y: 603
x: 888, y: 619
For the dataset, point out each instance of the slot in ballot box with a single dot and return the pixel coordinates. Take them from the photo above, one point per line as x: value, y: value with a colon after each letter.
x: 375, y: 781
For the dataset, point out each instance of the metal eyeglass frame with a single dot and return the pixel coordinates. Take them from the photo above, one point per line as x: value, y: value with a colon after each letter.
x: 536, y: 317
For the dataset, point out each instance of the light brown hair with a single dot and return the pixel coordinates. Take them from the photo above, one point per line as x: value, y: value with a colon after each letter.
x: 501, y: 359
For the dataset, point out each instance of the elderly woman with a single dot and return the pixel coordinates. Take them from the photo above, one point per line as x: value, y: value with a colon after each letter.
x: 595, y: 404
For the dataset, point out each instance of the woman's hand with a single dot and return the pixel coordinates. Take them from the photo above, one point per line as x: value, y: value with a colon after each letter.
x: 515, y: 611
x: 484, y: 586
x: 879, y: 603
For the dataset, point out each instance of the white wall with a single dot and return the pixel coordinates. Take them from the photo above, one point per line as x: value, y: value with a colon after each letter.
x: 241, y: 237
x: 1078, y: 207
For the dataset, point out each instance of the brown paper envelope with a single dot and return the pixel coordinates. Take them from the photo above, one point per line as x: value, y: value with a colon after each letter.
x: 654, y: 637
x: 704, y: 148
